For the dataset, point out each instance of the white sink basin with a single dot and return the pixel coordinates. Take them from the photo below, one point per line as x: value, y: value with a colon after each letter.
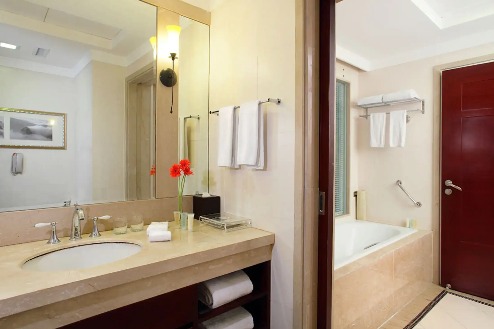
x: 82, y: 256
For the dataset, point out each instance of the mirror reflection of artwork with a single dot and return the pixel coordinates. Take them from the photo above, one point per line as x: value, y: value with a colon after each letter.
x: 31, y: 129
x: 1, y: 128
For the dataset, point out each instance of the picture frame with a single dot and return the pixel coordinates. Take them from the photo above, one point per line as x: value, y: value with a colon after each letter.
x: 32, y: 129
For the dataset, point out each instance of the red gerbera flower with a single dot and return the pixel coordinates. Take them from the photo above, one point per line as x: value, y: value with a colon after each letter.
x: 175, y: 170
x: 187, y: 171
x: 184, y: 163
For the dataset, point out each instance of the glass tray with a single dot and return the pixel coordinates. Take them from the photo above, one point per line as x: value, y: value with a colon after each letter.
x: 226, y: 222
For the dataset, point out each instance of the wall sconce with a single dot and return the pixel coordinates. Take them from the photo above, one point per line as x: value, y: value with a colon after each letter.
x: 152, y: 41
x: 168, y: 77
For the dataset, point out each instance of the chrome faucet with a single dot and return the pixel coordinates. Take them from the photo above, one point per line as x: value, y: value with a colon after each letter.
x: 75, y: 233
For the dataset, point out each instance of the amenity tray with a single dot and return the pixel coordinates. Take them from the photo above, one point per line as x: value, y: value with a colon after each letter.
x: 225, y: 222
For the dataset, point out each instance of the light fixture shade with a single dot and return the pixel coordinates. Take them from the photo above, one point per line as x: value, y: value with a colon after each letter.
x: 152, y: 41
x: 173, y: 37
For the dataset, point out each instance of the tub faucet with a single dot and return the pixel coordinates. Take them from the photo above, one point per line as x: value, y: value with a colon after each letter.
x: 75, y: 233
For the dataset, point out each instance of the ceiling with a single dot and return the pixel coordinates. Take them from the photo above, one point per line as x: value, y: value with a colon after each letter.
x: 379, y: 33
x: 73, y: 32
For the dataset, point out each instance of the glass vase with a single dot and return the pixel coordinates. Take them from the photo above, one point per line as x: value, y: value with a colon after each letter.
x: 183, y: 221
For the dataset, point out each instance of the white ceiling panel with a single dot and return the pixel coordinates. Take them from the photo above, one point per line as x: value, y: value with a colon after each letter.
x: 25, y: 8
x: 379, y: 33
x: 447, y: 13
x: 81, y: 24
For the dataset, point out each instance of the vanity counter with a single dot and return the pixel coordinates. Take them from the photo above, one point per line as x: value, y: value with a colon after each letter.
x: 31, y: 299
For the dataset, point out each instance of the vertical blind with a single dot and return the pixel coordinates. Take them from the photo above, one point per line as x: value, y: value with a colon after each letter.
x: 341, y: 194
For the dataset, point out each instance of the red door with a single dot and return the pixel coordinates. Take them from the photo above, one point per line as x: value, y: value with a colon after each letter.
x: 467, y: 216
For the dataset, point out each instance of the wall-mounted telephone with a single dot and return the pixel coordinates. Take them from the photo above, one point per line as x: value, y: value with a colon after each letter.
x: 17, y: 163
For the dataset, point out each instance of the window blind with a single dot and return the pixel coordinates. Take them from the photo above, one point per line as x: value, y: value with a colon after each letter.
x: 341, y: 195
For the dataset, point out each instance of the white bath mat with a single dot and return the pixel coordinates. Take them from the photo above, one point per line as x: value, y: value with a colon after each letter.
x: 452, y: 311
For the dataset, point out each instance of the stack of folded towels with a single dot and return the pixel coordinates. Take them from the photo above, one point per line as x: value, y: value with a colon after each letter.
x: 222, y: 290
x: 158, y: 232
x: 238, y: 318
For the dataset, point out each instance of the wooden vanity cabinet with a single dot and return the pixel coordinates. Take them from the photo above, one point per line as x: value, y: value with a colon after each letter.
x: 181, y: 309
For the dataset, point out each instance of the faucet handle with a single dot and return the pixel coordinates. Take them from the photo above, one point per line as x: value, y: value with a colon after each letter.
x: 53, y: 237
x: 96, y: 233
x: 41, y: 224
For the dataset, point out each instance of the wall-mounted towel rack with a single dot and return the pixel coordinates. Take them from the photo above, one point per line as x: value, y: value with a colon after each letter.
x: 400, y: 185
x: 198, y: 117
x: 411, y: 100
x: 269, y: 100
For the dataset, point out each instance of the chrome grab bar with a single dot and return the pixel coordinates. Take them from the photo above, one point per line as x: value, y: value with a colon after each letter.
x: 418, y: 204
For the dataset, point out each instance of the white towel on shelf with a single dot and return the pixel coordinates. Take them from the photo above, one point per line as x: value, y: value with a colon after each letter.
x: 370, y: 100
x: 224, y: 289
x: 400, y: 95
x: 227, y: 137
x: 238, y: 318
x: 397, y: 128
x: 377, y: 129
x: 159, y: 236
x: 250, y: 143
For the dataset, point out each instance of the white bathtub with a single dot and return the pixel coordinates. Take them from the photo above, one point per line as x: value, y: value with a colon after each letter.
x: 356, y: 238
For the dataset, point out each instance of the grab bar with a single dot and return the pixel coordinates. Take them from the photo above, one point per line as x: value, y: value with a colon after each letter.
x: 418, y: 204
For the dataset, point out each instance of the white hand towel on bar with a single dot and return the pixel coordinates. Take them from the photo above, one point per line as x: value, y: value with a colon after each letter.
x: 377, y: 129
x: 238, y: 318
x: 397, y: 128
x: 250, y: 143
x: 224, y: 289
x: 227, y: 126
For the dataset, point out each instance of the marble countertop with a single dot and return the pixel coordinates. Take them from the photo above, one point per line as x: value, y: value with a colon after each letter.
x: 23, y: 290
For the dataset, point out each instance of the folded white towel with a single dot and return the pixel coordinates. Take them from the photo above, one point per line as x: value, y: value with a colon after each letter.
x: 377, y: 129
x: 224, y: 289
x: 397, y: 128
x: 156, y: 229
x: 227, y: 127
x: 250, y: 147
x: 159, y: 236
x: 370, y: 100
x: 400, y: 95
x: 238, y: 318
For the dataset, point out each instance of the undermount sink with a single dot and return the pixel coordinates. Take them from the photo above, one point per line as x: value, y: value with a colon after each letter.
x: 82, y: 256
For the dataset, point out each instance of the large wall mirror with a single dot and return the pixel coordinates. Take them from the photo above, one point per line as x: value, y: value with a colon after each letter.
x: 93, y: 61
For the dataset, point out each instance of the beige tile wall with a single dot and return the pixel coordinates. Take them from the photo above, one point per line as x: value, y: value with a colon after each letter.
x: 370, y: 290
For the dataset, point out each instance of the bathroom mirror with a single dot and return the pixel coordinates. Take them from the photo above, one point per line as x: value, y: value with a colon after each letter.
x: 92, y: 60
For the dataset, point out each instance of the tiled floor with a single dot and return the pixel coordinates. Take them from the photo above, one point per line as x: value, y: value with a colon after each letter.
x: 454, y: 312
x: 451, y: 312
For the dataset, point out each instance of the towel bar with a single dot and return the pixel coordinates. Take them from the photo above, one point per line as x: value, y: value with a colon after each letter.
x: 269, y: 100
x: 418, y: 204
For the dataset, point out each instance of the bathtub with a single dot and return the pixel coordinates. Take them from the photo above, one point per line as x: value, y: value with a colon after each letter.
x: 355, y: 239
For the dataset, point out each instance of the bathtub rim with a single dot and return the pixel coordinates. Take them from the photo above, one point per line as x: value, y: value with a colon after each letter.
x: 376, y: 255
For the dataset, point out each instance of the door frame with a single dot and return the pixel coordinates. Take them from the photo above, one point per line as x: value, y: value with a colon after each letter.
x: 436, y: 162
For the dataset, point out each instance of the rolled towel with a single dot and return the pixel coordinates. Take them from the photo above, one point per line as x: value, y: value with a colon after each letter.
x: 224, y: 289
x: 238, y: 318
x: 370, y: 100
x: 401, y: 95
x: 159, y: 236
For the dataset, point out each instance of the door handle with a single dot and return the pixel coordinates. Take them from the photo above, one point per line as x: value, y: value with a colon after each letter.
x: 449, y: 183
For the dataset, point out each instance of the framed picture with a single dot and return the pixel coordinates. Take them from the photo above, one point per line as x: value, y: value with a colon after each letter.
x: 32, y: 129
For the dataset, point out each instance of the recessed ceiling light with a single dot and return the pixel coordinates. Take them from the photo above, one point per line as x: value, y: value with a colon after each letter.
x: 7, y: 45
